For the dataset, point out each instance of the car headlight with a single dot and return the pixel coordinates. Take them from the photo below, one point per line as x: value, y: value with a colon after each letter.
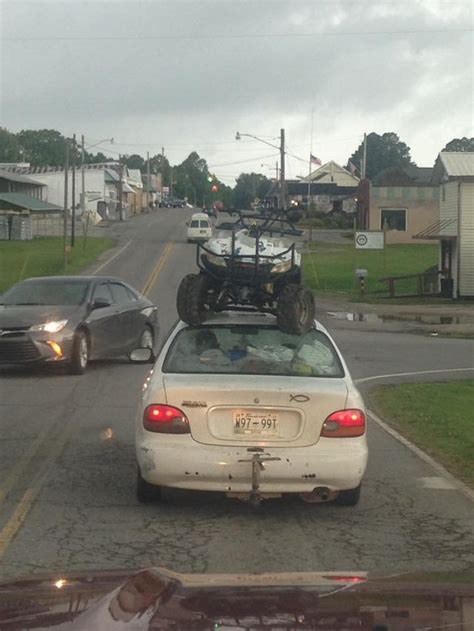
x: 282, y: 266
x: 50, y: 327
x: 216, y: 260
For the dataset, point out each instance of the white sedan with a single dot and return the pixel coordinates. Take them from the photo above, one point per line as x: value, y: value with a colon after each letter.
x: 235, y: 405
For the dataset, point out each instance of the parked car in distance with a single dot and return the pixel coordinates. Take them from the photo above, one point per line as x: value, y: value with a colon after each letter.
x: 237, y: 406
x: 72, y: 320
x: 210, y: 212
x: 199, y: 228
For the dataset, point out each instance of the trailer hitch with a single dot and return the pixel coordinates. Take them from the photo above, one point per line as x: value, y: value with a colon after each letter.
x: 258, y: 460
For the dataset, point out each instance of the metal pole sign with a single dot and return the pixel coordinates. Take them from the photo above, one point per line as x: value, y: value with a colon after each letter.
x: 370, y: 240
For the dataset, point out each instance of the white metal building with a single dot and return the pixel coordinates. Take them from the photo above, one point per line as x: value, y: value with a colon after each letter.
x: 101, y: 183
x: 454, y: 173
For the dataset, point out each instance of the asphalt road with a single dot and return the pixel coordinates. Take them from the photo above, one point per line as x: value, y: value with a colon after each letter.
x: 67, y: 469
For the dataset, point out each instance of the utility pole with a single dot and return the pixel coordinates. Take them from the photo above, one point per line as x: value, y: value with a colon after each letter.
x: 120, y: 187
x: 171, y: 182
x: 364, y: 159
x: 162, y: 171
x: 66, y: 200
x: 309, y: 164
x: 282, y: 170
x: 83, y: 179
x: 73, y: 216
x: 276, y: 170
x: 147, y: 181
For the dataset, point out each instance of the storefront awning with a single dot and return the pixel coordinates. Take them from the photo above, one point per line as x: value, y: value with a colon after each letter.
x: 439, y: 230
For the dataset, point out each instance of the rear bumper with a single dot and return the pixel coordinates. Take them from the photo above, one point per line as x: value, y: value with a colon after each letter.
x: 181, y: 462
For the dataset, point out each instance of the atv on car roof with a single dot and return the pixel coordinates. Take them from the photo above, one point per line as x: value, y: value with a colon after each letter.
x: 248, y: 270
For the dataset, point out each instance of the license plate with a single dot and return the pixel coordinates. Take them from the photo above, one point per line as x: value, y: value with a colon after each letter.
x: 256, y: 423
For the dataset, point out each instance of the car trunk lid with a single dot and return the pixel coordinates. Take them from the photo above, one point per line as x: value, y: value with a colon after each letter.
x: 255, y: 410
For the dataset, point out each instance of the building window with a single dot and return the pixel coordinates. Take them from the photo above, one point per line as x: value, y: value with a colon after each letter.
x: 337, y: 206
x: 421, y: 193
x: 406, y: 192
x: 393, y: 219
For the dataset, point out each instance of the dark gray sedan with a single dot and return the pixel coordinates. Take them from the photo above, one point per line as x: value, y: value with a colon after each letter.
x: 72, y: 320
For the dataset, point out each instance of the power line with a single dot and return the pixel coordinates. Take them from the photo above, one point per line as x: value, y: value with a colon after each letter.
x: 228, y: 164
x: 214, y: 36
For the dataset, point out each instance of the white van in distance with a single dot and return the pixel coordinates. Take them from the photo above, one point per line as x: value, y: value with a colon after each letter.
x: 199, y: 228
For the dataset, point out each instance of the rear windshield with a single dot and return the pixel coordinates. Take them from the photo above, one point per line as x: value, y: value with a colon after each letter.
x: 204, y: 224
x: 46, y: 293
x: 194, y: 223
x: 248, y: 350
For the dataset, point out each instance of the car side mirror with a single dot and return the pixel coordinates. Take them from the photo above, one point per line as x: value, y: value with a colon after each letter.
x: 142, y: 356
x: 101, y: 303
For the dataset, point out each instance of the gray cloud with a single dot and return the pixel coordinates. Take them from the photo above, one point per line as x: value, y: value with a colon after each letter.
x: 189, y: 74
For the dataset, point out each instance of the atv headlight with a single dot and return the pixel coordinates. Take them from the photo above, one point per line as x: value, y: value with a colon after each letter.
x: 282, y: 266
x: 216, y: 260
x: 50, y: 327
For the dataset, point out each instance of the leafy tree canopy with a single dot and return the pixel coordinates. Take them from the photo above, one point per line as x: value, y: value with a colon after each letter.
x: 460, y: 144
x: 383, y: 151
x: 248, y: 187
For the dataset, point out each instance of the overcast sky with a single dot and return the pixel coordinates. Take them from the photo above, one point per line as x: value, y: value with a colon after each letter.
x: 187, y: 74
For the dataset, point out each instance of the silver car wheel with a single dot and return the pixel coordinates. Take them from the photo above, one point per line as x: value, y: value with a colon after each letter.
x: 83, y: 352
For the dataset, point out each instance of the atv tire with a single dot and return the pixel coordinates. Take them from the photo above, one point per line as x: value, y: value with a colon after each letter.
x: 191, y: 299
x: 295, y: 310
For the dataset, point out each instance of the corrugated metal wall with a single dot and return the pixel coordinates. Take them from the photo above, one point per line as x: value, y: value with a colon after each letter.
x: 466, y: 241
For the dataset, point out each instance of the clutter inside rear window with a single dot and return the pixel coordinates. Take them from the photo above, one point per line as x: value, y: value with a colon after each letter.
x: 261, y: 351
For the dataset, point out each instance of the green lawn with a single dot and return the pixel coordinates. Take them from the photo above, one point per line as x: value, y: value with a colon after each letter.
x: 44, y: 257
x: 330, y: 267
x: 438, y: 417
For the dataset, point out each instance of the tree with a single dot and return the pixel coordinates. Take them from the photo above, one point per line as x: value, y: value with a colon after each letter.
x: 135, y: 161
x: 248, y: 187
x: 98, y: 158
x: 193, y: 179
x: 9, y: 147
x: 383, y: 152
x: 43, y: 147
x: 160, y: 164
x: 460, y: 144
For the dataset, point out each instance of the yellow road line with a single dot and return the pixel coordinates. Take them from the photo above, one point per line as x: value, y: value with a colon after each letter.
x: 158, y: 267
x: 18, y: 517
x: 23, y: 507
x: 18, y: 469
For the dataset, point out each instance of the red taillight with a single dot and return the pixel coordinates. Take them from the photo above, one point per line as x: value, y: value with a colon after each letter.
x: 344, y: 424
x: 165, y: 419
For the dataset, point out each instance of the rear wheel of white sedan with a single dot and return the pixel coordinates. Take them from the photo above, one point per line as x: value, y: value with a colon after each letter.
x: 146, y: 492
x: 350, y: 497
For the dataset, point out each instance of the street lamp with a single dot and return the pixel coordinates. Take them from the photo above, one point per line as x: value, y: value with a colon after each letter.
x: 281, y: 149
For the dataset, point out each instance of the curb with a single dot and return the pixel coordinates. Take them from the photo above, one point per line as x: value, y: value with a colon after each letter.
x: 449, y: 477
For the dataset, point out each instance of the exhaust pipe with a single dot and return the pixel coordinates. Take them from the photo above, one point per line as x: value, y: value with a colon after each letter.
x: 318, y: 495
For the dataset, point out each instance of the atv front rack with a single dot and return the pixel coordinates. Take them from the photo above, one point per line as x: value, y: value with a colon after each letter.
x: 279, y: 222
x: 236, y: 270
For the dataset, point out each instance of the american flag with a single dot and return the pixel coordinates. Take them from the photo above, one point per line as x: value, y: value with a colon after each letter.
x: 314, y: 159
x: 352, y: 167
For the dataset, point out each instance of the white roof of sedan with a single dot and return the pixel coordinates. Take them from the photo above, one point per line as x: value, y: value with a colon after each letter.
x: 254, y: 318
